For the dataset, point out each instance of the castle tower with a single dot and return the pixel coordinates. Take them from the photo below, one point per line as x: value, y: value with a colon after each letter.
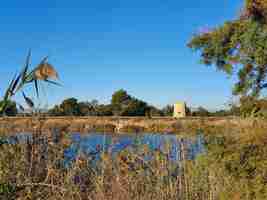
x: 179, y: 110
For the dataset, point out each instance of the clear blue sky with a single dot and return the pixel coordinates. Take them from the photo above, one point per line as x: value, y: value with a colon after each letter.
x: 104, y: 45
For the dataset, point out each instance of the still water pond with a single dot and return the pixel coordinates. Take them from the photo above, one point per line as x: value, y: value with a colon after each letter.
x: 94, y: 144
x: 170, y: 145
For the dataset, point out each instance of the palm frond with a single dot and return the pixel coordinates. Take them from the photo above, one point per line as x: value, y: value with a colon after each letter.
x: 36, y: 87
x: 15, y: 83
x: 52, y: 82
x: 9, y: 91
x: 28, y: 100
x: 43, y: 72
x: 23, y: 75
x: 26, y: 66
x: 21, y: 107
x: 3, y: 106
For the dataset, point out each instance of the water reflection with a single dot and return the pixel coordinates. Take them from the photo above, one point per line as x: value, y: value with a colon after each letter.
x: 174, y: 147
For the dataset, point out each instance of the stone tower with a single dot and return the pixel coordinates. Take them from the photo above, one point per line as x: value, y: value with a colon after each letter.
x: 179, y: 110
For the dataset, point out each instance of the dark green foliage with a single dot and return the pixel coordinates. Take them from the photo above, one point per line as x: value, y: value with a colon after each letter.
x: 201, y: 112
x: 70, y: 107
x: 240, y: 160
x: 120, y: 100
x: 250, y: 106
x: 104, y: 110
x: 89, y: 108
x: 188, y: 111
x: 131, y: 106
x: 221, y: 113
x: 125, y: 105
x: 135, y: 107
x: 55, y: 111
x: 7, y: 191
x: 122, y: 104
x: 10, y: 108
x: 153, y: 111
x: 3, y: 141
x: 239, y: 45
x: 120, y: 97
x: 84, y: 108
x: 168, y: 110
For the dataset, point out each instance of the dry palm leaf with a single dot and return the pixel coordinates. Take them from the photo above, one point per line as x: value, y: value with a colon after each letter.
x: 45, y: 71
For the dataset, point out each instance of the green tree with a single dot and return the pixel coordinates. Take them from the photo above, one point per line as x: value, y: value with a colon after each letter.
x: 84, y: 108
x: 94, y: 104
x: 104, y: 110
x: 168, y: 110
x: 250, y: 106
x: 239, y: 45
x: 135, y: 107
x: 201, y: 112
x: 153, y: 111
x: 124, y: 104
x: 70, y: 107
x: 220, y: 113
x: 55, y: 111
x: 120, y: 99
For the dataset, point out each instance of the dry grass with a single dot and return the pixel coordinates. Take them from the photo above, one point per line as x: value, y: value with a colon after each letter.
x: 110, y: 124
x: 234, y: 167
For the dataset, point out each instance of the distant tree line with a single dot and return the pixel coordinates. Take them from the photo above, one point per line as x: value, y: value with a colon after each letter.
x: 123, y: 104
x: 247, y: 106
x: 203, y: 112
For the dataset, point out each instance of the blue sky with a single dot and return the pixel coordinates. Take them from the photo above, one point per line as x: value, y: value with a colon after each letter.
x: 101, y: 46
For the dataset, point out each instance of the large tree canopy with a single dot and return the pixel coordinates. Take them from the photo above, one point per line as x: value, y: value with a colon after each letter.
x: 239, y: 47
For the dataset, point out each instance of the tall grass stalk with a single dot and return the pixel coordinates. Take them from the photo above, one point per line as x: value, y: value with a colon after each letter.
x: 233, y: 166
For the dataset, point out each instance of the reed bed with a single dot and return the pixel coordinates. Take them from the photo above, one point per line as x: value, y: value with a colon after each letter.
x: 234, y: 166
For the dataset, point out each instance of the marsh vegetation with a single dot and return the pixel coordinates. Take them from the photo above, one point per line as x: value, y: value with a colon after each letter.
x: 233, y: 166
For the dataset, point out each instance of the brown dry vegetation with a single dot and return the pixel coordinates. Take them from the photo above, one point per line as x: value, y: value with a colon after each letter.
x: 121, y: 124
x: 234, y: 167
